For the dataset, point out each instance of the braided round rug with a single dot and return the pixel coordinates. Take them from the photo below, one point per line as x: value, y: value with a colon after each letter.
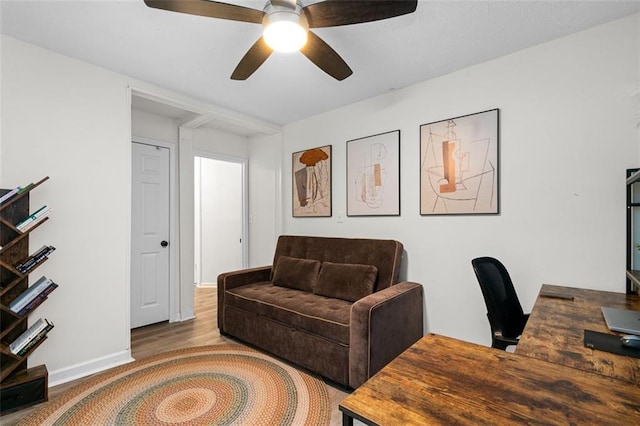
x: 210, y: 385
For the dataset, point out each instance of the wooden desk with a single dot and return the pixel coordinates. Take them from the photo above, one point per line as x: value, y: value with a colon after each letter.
x: 440, y: 380
x: 555, y: 331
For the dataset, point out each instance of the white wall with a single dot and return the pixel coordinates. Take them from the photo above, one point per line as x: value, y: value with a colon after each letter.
x: 213, y: 141
x: 265, y: 220
x: 636, y: 96
x: 72, y: 121
x: 154, y: 127
x: 567, y: 133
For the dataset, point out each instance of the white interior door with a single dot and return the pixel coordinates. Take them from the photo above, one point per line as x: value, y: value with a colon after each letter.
x: 219, y: 218
x: 149, y: 235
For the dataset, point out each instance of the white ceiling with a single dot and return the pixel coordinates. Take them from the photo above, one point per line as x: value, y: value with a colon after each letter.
x: 195, y: 56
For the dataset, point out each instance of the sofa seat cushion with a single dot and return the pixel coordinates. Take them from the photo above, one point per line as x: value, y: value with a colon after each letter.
x: 323, y: 316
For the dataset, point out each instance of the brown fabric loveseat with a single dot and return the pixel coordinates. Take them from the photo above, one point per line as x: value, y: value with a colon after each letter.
x: 331, y: 305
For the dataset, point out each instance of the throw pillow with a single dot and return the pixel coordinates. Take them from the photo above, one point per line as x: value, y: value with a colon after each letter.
x: 300, y: 274
x: 346, y: 281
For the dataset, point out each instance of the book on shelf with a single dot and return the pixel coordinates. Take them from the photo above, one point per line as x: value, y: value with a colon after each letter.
x: 33, y: 219
x: 29, y: 294
x: 43, y: 251
x: 36, y: 301
x: 39, y: 327
x: 26, y: 188
x: 9, y: 194
x: 30, y: 218
x: 36, y: 221
x: 30, y: 262
x: 34, y: 341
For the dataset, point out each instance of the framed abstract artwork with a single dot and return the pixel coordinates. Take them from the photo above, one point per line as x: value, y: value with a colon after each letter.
x: 373, y: 175
x: 459, y: 167
x: 311, y: 172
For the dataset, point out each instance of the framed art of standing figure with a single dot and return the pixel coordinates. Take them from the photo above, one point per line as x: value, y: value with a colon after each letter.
x: 373, y: 175
x: 459, y: 168
x: 311, y: 171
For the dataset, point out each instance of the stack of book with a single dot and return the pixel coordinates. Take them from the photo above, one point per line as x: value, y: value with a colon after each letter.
x: 15, y: 191
x: 30, y: 262
x: 9, y: 194
x: 33, y: 296
x: 33, y: 219
x: 30, y: 337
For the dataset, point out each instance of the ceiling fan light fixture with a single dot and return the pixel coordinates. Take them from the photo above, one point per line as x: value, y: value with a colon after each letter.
x: 285, y: 30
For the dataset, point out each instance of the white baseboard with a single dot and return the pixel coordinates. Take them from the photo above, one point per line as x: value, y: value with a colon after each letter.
x: 67, y: 374
x: 183, y: 317
x: 205, y: 285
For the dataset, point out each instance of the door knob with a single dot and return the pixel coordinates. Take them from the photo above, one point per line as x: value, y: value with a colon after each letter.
x: 164, y: 243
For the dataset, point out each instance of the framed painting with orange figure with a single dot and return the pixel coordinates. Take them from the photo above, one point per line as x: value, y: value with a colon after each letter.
x: 311, y: 172
x: 459, y: 167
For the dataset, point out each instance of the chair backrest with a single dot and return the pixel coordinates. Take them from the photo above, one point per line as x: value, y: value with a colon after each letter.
x: 503, y: 307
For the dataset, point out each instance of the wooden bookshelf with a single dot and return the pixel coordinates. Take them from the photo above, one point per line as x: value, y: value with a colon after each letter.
x: 20, y: 386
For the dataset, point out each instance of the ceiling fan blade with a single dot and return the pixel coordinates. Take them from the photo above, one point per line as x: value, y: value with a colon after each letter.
x: 251, y: 61
x: 321, y: 54
x: 333, y: 13
x: 211, y: 9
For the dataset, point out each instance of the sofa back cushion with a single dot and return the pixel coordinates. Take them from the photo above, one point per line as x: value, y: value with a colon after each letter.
x: 300, y: 274
x: 385, y: 255
x: 346, y: 281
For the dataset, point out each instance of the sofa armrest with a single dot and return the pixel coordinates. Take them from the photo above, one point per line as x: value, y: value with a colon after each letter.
x: 229, y: 280
x: 382, y: 326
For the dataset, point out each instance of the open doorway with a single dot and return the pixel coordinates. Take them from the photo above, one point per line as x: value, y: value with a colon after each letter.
x: 220, y: 225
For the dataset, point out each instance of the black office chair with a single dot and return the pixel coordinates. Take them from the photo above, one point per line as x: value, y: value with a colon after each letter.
x: 504, y: 311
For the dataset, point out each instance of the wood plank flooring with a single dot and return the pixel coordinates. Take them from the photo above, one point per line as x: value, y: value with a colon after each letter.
x: 162, y: 337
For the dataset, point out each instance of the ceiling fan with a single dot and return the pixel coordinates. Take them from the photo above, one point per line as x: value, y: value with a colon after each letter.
x: 291, y: 21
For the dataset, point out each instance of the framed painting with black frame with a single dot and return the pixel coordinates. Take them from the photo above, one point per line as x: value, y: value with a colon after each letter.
x: 311, y: 174
x: 373, y: 175
x: 459, y: 165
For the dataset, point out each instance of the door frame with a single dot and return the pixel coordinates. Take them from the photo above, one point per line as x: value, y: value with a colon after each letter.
x: 245, y: 200
x: 174, y: 295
